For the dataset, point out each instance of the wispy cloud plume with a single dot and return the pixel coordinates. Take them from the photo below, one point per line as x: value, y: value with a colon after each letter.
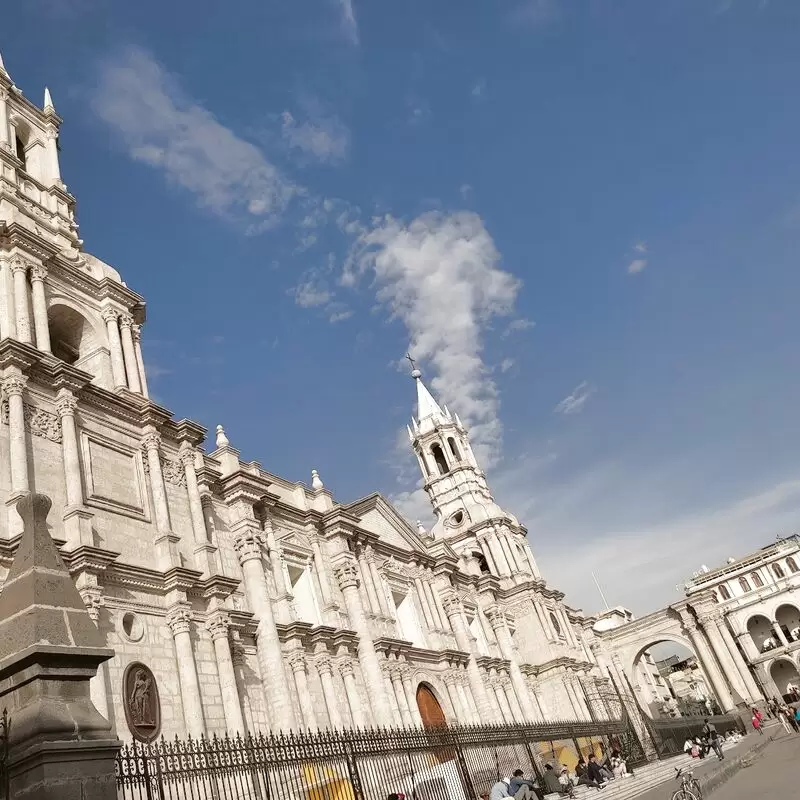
x: 347, y: 20
x: 161, y: 126
x: 574, y: 402
x: 324, y: 139
x: 639, y: 262
x: 440, y: 276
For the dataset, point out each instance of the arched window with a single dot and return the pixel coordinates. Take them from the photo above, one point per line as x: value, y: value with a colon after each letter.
x: 554, y: 622
x: 744, y: 584
x: 792, y: 564
x: 453, y: 448
x: 20, y: 149
x: 757, y: 581
x: 724, y: 593
x: 776, y: 568
x: 482, y: 563
x: 438, y: 457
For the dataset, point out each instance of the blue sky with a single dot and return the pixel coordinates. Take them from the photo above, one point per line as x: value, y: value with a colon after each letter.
x: 583, y: 216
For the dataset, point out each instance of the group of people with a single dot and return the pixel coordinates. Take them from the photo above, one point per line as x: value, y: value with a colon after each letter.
x: 788, y: 716
x: 710, y: 739
x: 559, y: 781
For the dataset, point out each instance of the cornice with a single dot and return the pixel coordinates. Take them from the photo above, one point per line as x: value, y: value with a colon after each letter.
x: 218, y: 586
x: 30, y: 107
x: 181, y: 579
x: 186, y: 430
x: 14, y: 235
x: 89, y: 559
x: 17, y: 354
x: 127, y: 406
x: 242, y: 485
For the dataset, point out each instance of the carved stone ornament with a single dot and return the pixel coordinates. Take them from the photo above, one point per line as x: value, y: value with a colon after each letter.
x: 37, y: 421
x: 141, y: 702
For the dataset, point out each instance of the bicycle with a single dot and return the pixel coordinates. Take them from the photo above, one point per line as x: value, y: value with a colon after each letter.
x: 690, y: 787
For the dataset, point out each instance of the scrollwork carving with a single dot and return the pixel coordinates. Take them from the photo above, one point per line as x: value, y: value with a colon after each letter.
x: 38, y: 422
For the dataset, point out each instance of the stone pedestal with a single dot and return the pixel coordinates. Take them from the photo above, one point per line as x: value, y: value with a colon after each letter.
x: 60, y: 747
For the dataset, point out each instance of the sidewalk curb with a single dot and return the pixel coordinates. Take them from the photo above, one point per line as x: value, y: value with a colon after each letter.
x: 721, y: 775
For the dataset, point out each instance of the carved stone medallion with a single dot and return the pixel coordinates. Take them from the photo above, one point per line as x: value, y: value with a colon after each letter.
x: 142, y: 706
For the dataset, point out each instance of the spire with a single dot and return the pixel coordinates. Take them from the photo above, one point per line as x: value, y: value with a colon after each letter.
x: 48, y: 100
x: 316, y: 481
x: 426, y: 405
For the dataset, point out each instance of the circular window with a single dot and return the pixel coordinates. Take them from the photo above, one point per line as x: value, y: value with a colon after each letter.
x: 132, y: 626
x: 458, y: 517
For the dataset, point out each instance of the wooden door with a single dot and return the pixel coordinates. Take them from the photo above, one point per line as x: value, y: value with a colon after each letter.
x: 429, y: 708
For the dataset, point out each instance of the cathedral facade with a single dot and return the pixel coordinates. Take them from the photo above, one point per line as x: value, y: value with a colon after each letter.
x: 234, y: 599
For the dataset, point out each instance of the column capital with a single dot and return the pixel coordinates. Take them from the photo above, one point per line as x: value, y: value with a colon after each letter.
x: 452, y: 603
x: 38, y: 272
x: 109, y: 314
x: 186, y: 454
x: 324, y: 664
x: 496, y: 617
x: 346, y: 573
x: 297, y: 660
x: 66, y: 403
x: 92, y: 597
x: 14, y: 385
x: 18, y: 263
x: 346, y: 668
x: 179, y: 618
x: 247, y: 543
x: 136, y: 332
x: 449, y: 679
x: 218, y: 625
x: 125, y: 321
x: 152, y: 440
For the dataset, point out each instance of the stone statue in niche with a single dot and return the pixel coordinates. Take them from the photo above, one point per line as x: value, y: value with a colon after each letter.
x: 142, y: 706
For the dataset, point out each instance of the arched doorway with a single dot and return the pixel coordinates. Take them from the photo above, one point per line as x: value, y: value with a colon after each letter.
x: 761, y: 632
x: 787, y: 680
x: 429, y: 708
x: 788, y: 618
x: 669, y: 681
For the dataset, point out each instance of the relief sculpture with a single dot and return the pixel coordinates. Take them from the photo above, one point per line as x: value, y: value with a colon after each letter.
x: 142, y: 707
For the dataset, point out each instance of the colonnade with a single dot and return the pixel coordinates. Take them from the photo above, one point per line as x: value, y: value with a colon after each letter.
x: 23, y: 317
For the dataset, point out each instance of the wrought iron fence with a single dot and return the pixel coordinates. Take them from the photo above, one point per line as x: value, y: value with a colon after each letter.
x: 5, y: 728
x: 452, y: 763
x: 670, y: 735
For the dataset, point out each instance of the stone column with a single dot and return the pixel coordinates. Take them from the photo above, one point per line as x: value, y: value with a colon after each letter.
x: 465, y: 704
x: 351, y: 690
x: 92, y: 597
x: 436, y: 605
x: 508, y: 690
x: 509, y: 553
x: 19, y: 269
x: 218, y: 625
x: 574, y: 699
x: 506, y: 717
x: 750, y: 682
x: 268, y: 645
x: 13, y: 388
x: 38, y: 275
x: 179, y: 619
x: 165, y: 542
x: 129, y: 353
x: 51, y: 156
x: 136, y: 331
x: 723, y: 647
x: 411, y: 697
x: 366, y: 577
x: 497, y: 551
x: 499, y: 623
x: 297, y: 662
x: 424, y: 603
x: 283, y: 601
x: 325, y: 671
x: 8, y: 322
x: 464, y: 642
x: 400, y: 693
x: 4, y: 140
x: 706, y: 658
x: 780, y: 634
x: 77, y: 519
x: 347, y: 575
x: 111, y: 318
x: 203, y: 549
x: 544, y: 619
x: 383, y: 600
x: 452, y: 695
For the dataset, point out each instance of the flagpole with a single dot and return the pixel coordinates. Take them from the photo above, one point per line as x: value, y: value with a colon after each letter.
x: 597, y: 584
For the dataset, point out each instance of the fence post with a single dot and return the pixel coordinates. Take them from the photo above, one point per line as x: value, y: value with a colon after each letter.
x: 352, y: 771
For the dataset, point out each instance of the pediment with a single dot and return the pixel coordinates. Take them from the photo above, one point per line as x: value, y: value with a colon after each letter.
x: 377, y: 515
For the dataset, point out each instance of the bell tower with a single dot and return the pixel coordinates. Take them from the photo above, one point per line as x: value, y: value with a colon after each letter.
x: 491, y: 539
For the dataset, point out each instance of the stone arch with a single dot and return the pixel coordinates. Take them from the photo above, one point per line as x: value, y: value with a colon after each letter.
x: 760, y: 629
x: 77, y: 338
x: 785, y: 676
x: 787, y: 615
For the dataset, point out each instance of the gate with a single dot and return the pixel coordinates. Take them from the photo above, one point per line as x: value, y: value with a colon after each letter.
x: 448, y: 763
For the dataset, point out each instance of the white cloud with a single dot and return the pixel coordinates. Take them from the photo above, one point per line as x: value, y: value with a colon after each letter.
x: 506, y: 364
x: 324, y: 139
x: 162, y: 127
x: 311, y: 294
x: 574, y: 402
x: 479, y: 89
x: 340, y: 314
x: 440, y: 276
x: 347, y: 20
x: 640, y: 247
x: 517, y: 325
x: 465, y: 190
x: 636, y: 266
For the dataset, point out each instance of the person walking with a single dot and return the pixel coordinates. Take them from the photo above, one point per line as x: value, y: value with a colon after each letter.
x: 710, y: 732
x: 757, y: 724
